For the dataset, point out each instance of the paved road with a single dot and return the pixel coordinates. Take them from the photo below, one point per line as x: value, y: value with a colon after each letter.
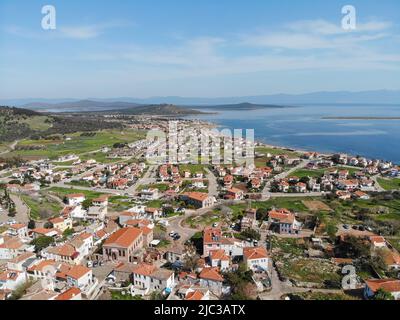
x: 11, y: 147
x: 148, y: 178
x: 175, y: 224
x: 212, y: 184
x: 22, y: 210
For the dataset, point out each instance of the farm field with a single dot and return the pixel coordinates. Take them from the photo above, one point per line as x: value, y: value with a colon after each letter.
x: 62, y: 192
x: 389, y: 184
x: 78, y: 144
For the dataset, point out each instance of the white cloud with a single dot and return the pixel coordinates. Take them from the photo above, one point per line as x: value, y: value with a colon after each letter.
x: 81, y: 32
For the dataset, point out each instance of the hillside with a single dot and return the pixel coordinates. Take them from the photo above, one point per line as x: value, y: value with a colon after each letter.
x: 157, y: 110
x: 18, y: 123
x: 79, y: 106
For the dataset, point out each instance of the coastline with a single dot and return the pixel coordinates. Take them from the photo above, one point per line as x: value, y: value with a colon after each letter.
x: 294, y: 149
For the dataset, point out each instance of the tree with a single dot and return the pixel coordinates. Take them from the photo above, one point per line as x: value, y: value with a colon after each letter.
x: 190, y: 262
x: 68, y: 232
x: 262, y: 214
x: 31, y: 224
x: 48, y: 225
x: 86, y: 204
x: 168, y: 211
x: 41, y: 243
x: 157, y: 295
x: 240, y: 282
x: 251, y: 233
x: 383, y: 295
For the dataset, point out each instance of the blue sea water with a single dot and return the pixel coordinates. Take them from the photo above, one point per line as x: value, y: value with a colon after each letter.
x: 304, y: 128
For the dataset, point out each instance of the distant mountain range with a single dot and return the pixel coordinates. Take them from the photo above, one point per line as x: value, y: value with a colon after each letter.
x: 156, y: 110
x: 79, y: 106
x: 338, y: 97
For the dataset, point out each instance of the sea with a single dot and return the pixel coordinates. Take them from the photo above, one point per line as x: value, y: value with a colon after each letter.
x: 305, y: 128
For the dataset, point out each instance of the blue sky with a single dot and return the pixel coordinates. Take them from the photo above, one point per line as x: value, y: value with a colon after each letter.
x: 204, y: 48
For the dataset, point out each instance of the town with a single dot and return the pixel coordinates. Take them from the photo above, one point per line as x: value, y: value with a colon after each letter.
x: 105, y: 221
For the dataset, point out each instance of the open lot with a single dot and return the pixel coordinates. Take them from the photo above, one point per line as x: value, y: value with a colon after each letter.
x: 42, y: 207
x: 316, y: 205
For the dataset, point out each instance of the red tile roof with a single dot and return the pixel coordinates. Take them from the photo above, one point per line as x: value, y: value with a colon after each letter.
x: 123, y: 238
x: 211, y: 274
x: 255, y: 253
x: 389, y: 285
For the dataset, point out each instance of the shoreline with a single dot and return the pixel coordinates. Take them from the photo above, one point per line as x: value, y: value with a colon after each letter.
x: 298, y: 150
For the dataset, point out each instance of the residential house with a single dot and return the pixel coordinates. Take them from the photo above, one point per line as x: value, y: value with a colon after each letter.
x: 19, y: 230
x: 61, y: 223
x: 198, y: 200
x: 284, y: 221
x: 389, y: 285
x: 235, y: 194
x: 218, y: 259
x: 123, y: 244
x: 148, y: 278
x: 75, y: 199
x: 256, y: 259
x: 211, y: 278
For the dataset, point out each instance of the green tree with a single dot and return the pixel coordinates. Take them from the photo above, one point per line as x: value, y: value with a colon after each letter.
x: 31, y: 224
x: 41, y: 243
x: 250, y: 233
x: 383, y: 295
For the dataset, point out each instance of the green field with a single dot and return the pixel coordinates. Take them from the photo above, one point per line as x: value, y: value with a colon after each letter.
x: 389, y: 184
x: 38, y: 123
x: 292, y: 264
x: 78, y: 144
x: 290, y: 203
x: 62, y: 192
x: 276, y: 151
x: 160, y: 187
x: 192, y: 168
x: 42, y: 208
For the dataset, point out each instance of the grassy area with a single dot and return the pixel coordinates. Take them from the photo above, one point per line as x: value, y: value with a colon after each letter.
x: 155, y: 204
x: 116, y: 295
x: 120, y: 203
x: 3, y: 229
x: 192, y: 168
x: 276, y: 151
x: 288, y: 255
x: 78, y: 144
x: 389, y: 184
x: 42, y: 207
x: 62, y: 192
x: 320, y: 296
x: 205, y: 220
x: 100, y: 157
x: 291, y: 203
x: 160, y: 186
x: 39, y: 123
x: 80, y: 183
